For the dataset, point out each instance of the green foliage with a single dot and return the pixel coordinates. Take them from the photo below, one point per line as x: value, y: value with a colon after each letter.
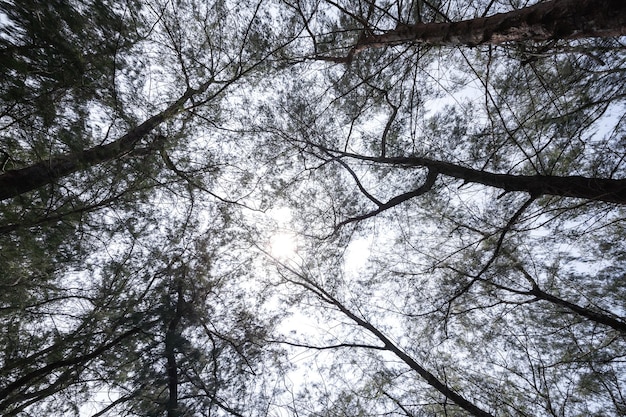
x: 58, y: 59
x: 145, y: 284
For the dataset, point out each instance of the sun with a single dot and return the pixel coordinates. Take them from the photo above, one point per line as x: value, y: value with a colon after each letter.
x: 283, y: 245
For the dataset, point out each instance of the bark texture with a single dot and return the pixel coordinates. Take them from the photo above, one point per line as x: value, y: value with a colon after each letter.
x: 557, y: 19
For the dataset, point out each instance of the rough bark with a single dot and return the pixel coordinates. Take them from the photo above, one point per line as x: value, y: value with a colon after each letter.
x: 19, y: 181
x: 597, y: 189
x: 550, y: 20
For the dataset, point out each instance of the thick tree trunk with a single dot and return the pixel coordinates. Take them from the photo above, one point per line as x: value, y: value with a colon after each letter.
x: 19, y: 181
x: 598, y: 189
x: 557, y: 19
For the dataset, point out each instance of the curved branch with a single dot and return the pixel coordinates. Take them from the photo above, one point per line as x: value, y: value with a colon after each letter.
x: 358, y: 183
x: 195, y: 184
x: 428, y: 184
x: 589, y: 188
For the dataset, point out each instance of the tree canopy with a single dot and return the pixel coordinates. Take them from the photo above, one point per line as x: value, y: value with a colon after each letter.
x: 313, y: 208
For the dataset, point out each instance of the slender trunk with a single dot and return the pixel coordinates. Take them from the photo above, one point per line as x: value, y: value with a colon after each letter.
x: 589, y: 314
x: 19, y: 181
x: 597, y: 189
x: 171, y: 342
x: 172, y: 376
x: 430, y: 379
x: 549, y: 20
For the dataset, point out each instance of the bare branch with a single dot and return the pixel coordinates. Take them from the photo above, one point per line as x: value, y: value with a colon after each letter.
x: 428, y: 184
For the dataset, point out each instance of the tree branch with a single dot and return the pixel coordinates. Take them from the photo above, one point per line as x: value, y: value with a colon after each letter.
x: 598, y: 189
x: 337, y: 346
x: 428, y: 184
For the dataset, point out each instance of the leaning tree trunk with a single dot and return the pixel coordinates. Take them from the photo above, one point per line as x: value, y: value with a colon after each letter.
x: 550, y: 20
x: 598, y: 189
x: 19, y: 181
x: 447, y: 391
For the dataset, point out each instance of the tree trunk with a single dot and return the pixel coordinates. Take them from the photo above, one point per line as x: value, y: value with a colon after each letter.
x: 589, y: 314
x: 557, y: 19
x: 598, y: 189
x: 432, y: 380
x: 171, y: 340
x: 19, y: 181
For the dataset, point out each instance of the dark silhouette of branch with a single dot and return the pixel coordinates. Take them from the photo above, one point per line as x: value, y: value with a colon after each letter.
x: 428, y: 377
x: 399, y: 404
x: 19, y: 181
x: 329, y: 347
x: 64, y: 363
x: 594, y: 316
x: 427, y: 186
x: 590, y: 188
x: 493, y: 256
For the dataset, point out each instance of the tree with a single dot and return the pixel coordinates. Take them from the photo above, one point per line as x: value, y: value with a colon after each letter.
x: 90, y: 286
x: 546, y: 21
x: 455, y: 207
x: 450, y: 394
x: 475, y: 283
